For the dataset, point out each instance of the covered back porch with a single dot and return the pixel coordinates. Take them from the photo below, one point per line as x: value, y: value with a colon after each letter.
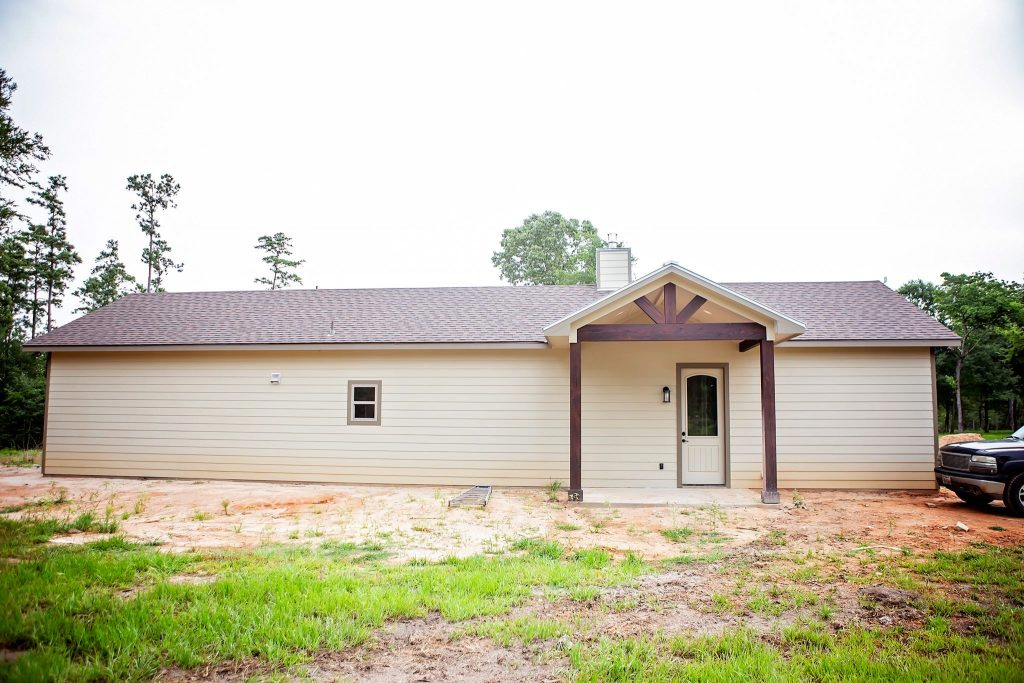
x: 669, y: 381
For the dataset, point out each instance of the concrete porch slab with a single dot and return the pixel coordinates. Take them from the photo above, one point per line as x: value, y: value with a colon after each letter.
x: 691, y: 496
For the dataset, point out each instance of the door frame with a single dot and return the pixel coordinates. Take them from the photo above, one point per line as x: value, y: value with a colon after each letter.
x: 724, y: 367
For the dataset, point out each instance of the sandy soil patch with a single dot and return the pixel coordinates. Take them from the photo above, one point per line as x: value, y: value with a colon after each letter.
x: 966, y: 437
x: 415, y: 522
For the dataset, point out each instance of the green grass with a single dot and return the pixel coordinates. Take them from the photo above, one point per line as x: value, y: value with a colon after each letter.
x: 997, y: 434
x: 986, y: 645
x: 805, y: 652
x: 66, y: 606
x: 524, y: 630
x: 716, y: 555
x: 10, y: 457
x: 112, y: 609
x: 677, y: 534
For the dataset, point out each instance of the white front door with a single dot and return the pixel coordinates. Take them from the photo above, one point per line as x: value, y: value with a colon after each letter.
x: 701, y: 412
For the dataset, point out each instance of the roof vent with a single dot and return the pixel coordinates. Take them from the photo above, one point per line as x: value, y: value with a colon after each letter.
x: 614, y: 268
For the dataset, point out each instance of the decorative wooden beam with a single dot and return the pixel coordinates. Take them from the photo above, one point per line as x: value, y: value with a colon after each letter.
x: 670, y: 303
x: 770, y: 491
x: 695, y: 303
x: 749, y: 344
x: 672, y: 332
x: 650, y: 309
x: 575, y: 421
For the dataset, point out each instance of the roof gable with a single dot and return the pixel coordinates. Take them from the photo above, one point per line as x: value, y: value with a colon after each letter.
x: 780, y: 326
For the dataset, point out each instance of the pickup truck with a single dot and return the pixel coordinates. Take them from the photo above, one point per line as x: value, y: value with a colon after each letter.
x: 982, y: 471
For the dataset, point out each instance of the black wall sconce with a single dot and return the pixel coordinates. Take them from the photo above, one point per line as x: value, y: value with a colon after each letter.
x: 666, y: 395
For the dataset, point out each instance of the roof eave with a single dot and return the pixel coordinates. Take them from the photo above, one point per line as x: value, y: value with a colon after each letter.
x: 341, y: 346
x: 821, y: 343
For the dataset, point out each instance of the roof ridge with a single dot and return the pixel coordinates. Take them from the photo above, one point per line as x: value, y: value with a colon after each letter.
x: 806, y: 282
x: 357, y: 289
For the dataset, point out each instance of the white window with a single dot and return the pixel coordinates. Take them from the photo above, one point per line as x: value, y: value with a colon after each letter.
x: 364, y: 402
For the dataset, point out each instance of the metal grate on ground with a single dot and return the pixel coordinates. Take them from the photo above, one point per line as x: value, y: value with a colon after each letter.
x: 477, y: 495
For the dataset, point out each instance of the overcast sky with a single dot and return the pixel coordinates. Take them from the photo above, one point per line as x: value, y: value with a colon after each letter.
x: 395, y: 140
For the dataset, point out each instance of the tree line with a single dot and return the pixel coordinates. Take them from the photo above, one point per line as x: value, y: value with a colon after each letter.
x: 37, y: 264
x: 980, y: 382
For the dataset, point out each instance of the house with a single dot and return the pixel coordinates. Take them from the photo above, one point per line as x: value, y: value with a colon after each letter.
x: 664, y: 381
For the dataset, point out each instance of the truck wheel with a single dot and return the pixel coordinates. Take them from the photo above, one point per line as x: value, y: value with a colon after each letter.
x: 1013, y: 496
x: 977, y: 500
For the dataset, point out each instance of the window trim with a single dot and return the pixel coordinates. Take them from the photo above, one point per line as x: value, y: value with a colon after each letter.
x: 352, y: 385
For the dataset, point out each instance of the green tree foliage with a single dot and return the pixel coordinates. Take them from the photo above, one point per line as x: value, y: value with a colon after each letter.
x: 549, y: 249
x: 988, y: 314
x: 277, y: 249
x: 154, y: 196
x: 108, y: 281
x: 53, y: 257
x: 21, y: 375
x: 19, y: 149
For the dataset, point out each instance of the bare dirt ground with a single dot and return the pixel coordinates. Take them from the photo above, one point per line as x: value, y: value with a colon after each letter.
x: 415, y: 522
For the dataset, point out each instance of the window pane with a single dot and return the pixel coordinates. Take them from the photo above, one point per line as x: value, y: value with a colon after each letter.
x: 702, y: 406
x: 365, y: 411
x: 364, y: 393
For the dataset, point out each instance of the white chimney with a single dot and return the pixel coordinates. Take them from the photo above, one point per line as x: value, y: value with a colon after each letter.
x: 614, y: 268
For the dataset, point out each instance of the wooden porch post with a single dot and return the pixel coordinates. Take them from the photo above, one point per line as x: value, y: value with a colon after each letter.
x: 575, y: 422
x: 770, y: 490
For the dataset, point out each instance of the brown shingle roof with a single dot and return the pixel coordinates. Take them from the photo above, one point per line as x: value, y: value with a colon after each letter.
x: 305, y: 316
x: 839, y: 311
x: 847, y: 311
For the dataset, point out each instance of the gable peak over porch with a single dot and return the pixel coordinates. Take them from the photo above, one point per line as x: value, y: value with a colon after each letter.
x: 669, y: 292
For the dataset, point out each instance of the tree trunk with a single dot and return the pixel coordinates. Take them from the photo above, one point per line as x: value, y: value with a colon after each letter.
x: 149, y: 260
x: 149, y: 265
x: 959, y: 397
x: 49, y: 291
x: 35, y: 304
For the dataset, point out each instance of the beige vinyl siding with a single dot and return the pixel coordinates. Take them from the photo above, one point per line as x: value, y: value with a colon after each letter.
x: 855, y: 418
x: 846, y: 417
x: 448, y: 417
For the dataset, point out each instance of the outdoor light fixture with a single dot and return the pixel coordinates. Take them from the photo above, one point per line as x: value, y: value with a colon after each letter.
x: 666, y: 395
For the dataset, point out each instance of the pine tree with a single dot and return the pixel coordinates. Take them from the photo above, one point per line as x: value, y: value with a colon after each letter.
x: 33, y: 240
x: 52, y: 256
x: 19, y: 152
x: 21, y: 374
x: 154, y: 196
x: 277, y: 247
x: 108, y: 281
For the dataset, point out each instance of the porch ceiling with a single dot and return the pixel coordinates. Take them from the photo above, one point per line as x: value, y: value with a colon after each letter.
x: 630, y: 313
